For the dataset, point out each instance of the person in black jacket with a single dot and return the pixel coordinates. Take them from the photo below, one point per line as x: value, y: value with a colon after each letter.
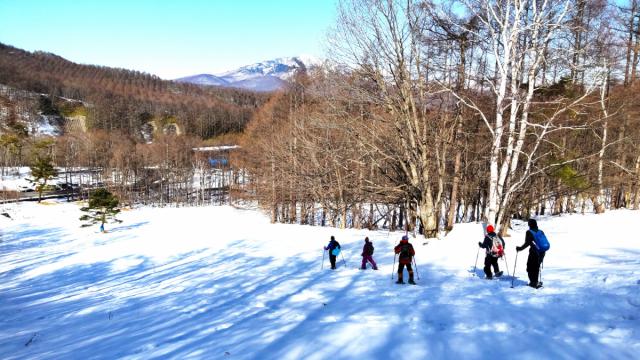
x: 332, y: 245
x: 492, y: 255
x: 535, y: 257
x: 367, y: 255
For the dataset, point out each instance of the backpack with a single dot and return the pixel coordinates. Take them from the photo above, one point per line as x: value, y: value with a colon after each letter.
x: 368, y: 248
x: 336, y: 249
x: 497, y: 250
x: 540, y: 241
x: 404, y: 251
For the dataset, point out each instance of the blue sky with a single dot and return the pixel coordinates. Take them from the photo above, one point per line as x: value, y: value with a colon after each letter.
x: 168, y: 38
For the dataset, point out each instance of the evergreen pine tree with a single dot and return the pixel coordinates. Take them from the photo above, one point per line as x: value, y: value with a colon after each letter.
x: 42, y: 171
x: 103, y: 206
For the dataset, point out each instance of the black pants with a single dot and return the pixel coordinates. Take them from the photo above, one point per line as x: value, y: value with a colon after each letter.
x: 409, y: 269
x: 533, y: 266
x: 332, y: 259
x: 490, y: 261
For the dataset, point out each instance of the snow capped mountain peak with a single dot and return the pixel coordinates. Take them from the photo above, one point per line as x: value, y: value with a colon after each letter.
x: 283, y: 68
x: 267, y: 75
x: 203, y: 79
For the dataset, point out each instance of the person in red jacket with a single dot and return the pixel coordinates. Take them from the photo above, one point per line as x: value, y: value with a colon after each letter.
x: 406, y: 253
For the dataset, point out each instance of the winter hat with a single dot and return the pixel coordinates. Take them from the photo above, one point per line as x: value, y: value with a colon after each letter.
x: 490, y: 229
x: 332, y: 238
x: 405, y: 237
x: 366, y: 239
x: 533, y: 224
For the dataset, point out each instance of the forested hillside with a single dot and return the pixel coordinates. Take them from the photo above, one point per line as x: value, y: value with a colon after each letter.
x: 129, y: 131
x: 124, y: 100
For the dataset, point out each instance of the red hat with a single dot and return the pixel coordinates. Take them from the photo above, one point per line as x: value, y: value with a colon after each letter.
x: 490, y: 229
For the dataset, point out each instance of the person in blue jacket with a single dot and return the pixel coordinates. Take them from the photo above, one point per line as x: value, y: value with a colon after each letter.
x: 333, y: 244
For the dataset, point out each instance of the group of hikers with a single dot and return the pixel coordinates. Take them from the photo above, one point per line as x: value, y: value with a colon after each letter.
x: 493, y: 244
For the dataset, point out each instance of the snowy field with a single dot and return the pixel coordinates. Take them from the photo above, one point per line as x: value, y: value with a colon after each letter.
x: 223, y: 283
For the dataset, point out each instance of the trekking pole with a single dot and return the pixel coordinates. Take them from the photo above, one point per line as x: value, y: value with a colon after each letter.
x: 322, y: 266
x: 344, y: 262
x: 541, y: 267
x: 506, y: 264
x: 476, y: 263
x: 514, y: 269
x: 416, y: 266
x: 393, y: 267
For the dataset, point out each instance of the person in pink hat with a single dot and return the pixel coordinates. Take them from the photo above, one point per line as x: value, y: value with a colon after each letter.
x: 367, y: 255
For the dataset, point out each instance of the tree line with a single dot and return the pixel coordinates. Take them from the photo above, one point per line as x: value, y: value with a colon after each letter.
x: 431, y: 113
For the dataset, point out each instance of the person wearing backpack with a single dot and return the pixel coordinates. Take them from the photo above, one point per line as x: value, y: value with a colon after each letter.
x: 494, y: 248
x: 537, y: 249
x: 367, y: 255
x: 406, y: 252
x: 334, y: 250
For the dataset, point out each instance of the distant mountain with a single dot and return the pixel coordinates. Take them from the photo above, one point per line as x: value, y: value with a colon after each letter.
x: 267, y: 75
x: 204, y: 79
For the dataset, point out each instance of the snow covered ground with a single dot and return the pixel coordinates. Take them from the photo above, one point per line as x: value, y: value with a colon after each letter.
x: 218, y: 282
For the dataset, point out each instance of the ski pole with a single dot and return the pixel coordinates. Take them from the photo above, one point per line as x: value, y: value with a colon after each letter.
x: 394, y: 265
x: 344, y: 262
x: 514, y: 269
x: 506, y: 264
x: 476, y: 263
x: 416, y: 266
x: 322, y: 266
x: 541, y: 267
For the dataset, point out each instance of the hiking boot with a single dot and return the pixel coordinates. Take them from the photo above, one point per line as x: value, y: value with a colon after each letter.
x: 499, y: 273
x: 363, y: 268
x: 489, y: 278
x: 400, y: 281
x: 375, y: 268
x: 412, y: 282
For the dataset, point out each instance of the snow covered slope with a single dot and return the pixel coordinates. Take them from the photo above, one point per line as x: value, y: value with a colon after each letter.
x: 218, y: 282
x: 267, y: 75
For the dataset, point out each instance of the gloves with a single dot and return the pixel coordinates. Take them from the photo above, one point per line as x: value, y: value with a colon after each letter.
x: 479, y: 243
